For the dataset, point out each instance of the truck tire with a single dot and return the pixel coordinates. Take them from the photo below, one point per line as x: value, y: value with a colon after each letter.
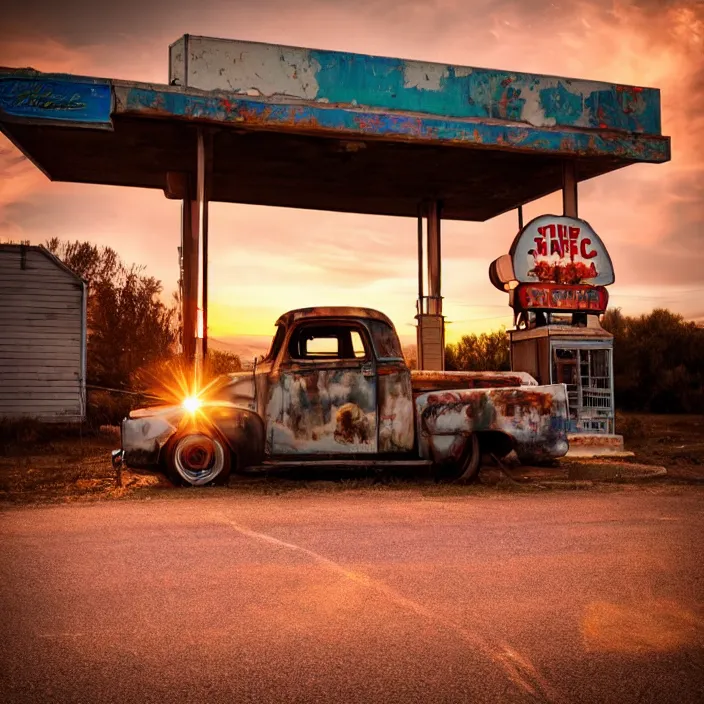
x: 199, y: 459
x: 465, y: 470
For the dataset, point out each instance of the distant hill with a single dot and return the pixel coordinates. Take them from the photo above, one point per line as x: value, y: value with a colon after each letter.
x: 247, y: 347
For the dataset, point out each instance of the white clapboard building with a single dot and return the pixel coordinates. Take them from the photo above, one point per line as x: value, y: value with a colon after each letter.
x: 42, y: 336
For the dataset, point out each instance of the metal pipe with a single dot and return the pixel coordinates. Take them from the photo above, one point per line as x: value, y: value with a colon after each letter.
x: 434, y: 257
x: 203, y: 242
x: 420, y: 257
x: 189, y: 301
x: 569, y: 188
x: 520, y: 217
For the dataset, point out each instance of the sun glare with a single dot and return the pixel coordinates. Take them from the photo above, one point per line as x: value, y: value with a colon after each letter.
x: 192, y: 404
x: 177, y: 383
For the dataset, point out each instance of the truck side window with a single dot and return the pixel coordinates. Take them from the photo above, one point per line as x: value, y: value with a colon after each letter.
x: 385, y: 339
x: 325, y: 342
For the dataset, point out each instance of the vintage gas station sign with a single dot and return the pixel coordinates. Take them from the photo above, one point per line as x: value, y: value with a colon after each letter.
x: 560, y: 250
x: 555, y: 263
x: 539, y: 296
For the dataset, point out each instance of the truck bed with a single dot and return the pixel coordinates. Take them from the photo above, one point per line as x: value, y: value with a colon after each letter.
x: 425, y: 381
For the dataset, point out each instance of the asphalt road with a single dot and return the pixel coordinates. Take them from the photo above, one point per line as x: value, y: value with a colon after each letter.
x: 377, y: 597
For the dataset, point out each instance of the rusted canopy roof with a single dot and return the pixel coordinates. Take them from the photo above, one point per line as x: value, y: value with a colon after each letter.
x: 334, y: 131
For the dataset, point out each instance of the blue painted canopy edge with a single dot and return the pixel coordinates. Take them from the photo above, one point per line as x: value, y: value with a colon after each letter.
x: 30, y: 96
x: 70, y: 99
x: 443, y: 90
x: 320, y: 119
x: 541, y: 101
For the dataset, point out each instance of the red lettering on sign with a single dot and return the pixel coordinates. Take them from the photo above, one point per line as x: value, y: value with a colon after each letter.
x: 541, y: 245
x: 547, y: 296
x: 584, y: 244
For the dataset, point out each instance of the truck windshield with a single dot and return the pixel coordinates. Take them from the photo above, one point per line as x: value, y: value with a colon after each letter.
x: 385, y: 340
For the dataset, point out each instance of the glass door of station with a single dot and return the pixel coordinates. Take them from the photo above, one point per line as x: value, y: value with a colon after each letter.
x: 587, y: 374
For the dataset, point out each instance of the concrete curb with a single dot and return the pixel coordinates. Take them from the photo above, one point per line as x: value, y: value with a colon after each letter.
x: 587, y: 454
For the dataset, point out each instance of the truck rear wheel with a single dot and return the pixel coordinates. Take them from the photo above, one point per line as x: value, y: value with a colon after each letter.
x: 466, y: 469
x: 197, y: 459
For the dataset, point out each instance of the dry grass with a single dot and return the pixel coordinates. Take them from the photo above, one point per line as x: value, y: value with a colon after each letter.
x: 53, y: 464
x: 673, y: 441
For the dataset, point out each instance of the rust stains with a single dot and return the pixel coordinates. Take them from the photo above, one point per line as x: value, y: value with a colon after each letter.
x: 424, y: 381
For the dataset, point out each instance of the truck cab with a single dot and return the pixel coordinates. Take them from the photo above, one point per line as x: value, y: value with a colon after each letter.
x: 335, y: 382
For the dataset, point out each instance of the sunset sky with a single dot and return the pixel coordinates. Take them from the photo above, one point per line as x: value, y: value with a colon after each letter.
x: 267, y: 260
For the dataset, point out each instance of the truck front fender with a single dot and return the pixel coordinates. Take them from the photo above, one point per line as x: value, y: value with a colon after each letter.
x: 535, y: 419
x: 243, y: 430
x: 146, y: 432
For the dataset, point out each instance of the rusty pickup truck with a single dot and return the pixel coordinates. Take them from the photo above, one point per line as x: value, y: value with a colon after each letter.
x: 334, y: 388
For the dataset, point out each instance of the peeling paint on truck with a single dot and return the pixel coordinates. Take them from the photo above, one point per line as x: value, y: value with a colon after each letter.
x: 534, y: 418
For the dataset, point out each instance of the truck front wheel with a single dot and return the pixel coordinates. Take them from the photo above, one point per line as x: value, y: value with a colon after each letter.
x: 197, y: 459
x: 466, y: 469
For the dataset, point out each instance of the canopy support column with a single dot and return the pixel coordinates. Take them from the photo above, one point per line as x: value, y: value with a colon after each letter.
x: 203, y: 178
x: 194, y: 247
x: 189, y: 277
x: 434, y: 256
x: 431, y: 323
x: 569, y: 189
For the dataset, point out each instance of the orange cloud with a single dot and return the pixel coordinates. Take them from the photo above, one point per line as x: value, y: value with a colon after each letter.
x: 650, y: 216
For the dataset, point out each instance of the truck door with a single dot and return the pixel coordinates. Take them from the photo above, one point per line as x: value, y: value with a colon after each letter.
x: 327, y: 397
x: 394, y: 392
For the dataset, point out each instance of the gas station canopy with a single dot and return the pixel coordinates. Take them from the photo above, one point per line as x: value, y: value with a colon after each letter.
x: 331, y: 130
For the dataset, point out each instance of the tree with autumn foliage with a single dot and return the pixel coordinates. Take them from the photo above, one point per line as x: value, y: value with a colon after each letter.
x: 479, y: 353
x: 129, y: 326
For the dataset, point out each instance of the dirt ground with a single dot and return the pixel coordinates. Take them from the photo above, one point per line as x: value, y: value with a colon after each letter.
x: 673, y: 441
x: 72, y: 467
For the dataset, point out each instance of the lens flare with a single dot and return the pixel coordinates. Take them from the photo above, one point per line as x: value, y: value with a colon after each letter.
x: 192, y: 404
x: 193, y: 387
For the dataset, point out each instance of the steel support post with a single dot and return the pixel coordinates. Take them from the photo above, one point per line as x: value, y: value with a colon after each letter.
x: 189, y: 286
x: 569, y: 188
x: 203, y: 177
x: 431, y: 324
x: 420, y: 305
x: 420, y: 259
x: 434, y: 255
